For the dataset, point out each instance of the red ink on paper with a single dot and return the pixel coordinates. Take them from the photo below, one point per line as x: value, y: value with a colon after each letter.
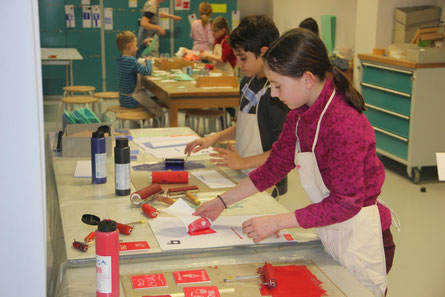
x: 208, y: 291
x: 240, y: 237
x: 191, y: 276
x: 294, y: 281
x: 148, y: 281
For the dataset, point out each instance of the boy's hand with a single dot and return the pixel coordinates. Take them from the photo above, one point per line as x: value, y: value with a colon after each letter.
x: 148, y: 41
x: 197, y: 145
x: 228, y: 157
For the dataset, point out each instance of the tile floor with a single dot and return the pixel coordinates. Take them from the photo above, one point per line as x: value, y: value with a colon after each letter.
x: 419, y: 264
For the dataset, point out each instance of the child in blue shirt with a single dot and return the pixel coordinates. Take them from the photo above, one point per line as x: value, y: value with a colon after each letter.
x: 131, y: 92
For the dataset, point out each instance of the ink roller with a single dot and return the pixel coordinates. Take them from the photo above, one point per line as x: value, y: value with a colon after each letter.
x: 83, y: 245
x: 149, y: 193
x: 170, y: 177
x: 199, y: 224
x: 188, y: 191
x: 174, y: 164
x: 265, y: 273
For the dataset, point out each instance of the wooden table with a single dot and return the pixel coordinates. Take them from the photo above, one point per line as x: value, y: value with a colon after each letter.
x: 185, y: 95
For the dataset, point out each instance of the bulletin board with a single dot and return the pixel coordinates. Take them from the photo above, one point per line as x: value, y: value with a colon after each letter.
x: 54, y: 33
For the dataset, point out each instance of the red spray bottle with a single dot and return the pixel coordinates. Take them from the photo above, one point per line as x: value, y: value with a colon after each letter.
x: 107, y: 259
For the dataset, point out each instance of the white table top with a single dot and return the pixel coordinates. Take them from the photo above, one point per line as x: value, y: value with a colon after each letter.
x: 58, y: 54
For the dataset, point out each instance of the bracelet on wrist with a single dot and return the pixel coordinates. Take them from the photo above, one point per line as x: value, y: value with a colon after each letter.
x: 222, y: 200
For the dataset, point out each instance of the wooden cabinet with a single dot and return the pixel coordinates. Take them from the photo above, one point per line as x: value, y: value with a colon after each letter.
x: 406, y: 106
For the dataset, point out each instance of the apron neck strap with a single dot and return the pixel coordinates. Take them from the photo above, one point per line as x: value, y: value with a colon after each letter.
x: 319, y: 120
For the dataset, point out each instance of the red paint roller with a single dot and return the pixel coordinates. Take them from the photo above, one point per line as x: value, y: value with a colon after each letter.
x: 170, y: 177
x: 145, y: 193
x: 124, y: 229
x: 150, y: 211
x: 199, y: 224
x: 267, y: 273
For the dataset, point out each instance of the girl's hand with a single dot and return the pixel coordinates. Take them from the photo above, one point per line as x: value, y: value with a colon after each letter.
x: 176, y: 17
x: 148, y: 41
x: 210, y: 209
x: 161, y: 31
x: 228, y: 157
x: 204, y: 55
x: 197, y: 145
x: 259, y: 228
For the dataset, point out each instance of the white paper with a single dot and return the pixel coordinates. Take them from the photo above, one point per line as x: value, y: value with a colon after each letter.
x: 108, y: 18
x: 86, y: 16
x: 85, y: 2
x: 167, y: 146
x: 83, y: 169
x: 69, y: 16
x: 440, y: 157
x: 182, y: 211
x: 157, y: 142
x: 213, y: 179
x: 178, y: 4
x: 235, y: 19
x: 185, y: 4
x: 96, y: 16
x: 192, y: 18
x: 172, y: 235
x: 164, y: 22
x: 132, y: 3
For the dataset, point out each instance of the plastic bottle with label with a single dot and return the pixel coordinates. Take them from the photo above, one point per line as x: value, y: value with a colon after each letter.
x: 98, y: 158
x: 107, y: 259
x: 122, y: 167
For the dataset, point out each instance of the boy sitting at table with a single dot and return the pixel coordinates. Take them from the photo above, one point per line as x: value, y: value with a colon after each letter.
x: 129, y: 70
x: 260, y: 117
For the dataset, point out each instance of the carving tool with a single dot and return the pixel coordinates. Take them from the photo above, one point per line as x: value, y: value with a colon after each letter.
x: 265, y: 273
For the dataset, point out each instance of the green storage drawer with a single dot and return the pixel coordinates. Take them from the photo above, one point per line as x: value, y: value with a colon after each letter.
x: 387, y: 100
x: 392, y: 145
x: 387, y: 78
x: 388, y: 122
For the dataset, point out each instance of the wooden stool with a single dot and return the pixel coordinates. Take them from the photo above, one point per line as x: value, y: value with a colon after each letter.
x: 211, y: 114
x: 76, y: 90
x: 69, y: 103
x: 105, y: 96
x: 136, y: 116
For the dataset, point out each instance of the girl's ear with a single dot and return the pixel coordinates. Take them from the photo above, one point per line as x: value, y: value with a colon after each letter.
x: 309, y: 79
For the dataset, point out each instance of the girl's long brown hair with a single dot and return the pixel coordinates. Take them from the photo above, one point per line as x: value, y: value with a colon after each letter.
x: 205, y: 11
x: 300, y: 50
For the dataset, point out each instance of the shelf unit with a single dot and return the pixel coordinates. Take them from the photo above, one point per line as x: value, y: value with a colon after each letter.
x: 405, y: 104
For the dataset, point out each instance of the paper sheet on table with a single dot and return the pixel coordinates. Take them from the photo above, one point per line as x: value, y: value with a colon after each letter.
x: 213, y: 179
x: 83, y: 168
x: 166, y: 141
x: 171, y: 234
x: 167, y: 147
x: 182, y: 211
x: 440, y: 157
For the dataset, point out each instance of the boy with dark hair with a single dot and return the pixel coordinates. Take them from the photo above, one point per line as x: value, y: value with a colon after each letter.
x: 260, y: 117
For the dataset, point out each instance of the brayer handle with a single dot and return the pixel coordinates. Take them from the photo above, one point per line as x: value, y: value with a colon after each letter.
x: 192, y: 198
x: 165, y: 199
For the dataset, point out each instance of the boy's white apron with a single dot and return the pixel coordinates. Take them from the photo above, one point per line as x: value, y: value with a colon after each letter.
x: 225, y: 67
x: 248, y: 138
x: 357, y: 243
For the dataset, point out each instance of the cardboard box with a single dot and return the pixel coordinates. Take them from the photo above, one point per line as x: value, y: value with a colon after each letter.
x: 172, y: 63
x: 417, y: 14
x: 404, y: 33
x: 76, y: 141
x: 423, y: 55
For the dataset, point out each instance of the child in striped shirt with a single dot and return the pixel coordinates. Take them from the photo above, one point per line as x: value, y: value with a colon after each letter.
x: 131, y: 92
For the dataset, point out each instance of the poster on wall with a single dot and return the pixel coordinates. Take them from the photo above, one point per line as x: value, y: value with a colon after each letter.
x: 86, y: 16
x: 133, y: 3
x: 108, y: 18
x: 185, y: 4
x: 85, y: 2
x: 178, y: 4
x: 164, y: 22
x: 69, y: 16
x: 96, y: 16
x: 192, y: 18
x: 235, y: 19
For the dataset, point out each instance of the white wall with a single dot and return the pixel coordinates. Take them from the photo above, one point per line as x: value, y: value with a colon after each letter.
x: 287, y: 14
x: 249, y: 7
x: 22, y: 179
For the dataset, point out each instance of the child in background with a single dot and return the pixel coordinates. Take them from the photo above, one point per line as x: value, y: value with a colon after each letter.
x: 201, y: 31
x: 309, y: 24
x: 332, y: 144
x: 261, y: 117
x: 131, y: 92
x: 222, y: 53
x: 149, y: 26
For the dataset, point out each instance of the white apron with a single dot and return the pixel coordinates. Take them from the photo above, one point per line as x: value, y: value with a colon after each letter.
x: 225, y: 67
x: 248, y: 138
x: 357, y: 243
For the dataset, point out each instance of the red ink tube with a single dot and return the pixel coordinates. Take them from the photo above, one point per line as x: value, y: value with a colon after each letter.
x: 170, y: 177
x: 145, y: 193
x: 81, y: 246
x: 107, y: 259
x: 150, y: 211
x: 199, y: 224
x: 124, y: 229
